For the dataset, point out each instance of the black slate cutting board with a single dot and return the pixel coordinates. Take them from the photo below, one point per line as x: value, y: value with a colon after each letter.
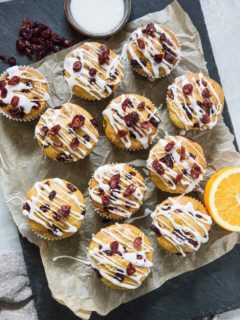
x: 212, y: 289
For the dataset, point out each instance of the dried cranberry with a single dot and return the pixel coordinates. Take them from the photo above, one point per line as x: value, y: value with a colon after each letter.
x: 105, y: 200
x: 195, y: 171
x: 15, y: 101
x: 44, y: 131
x: 205, y: 119
x: 94, y: 122
x: 207, y: 105
x: 74, y: 143
x: 178, y: 178
x: 168, y: 161
x: 137, y: 242
x: 17, y: 113
x: 64, y: 157
x: 182, y: 153
x: 114, y: 246
x: 169, y: 146
x: 54, y: 130
x: 109, y: 253
x: 163, y: 38
x: 26, y: 207
x: 68, y: 42
x: 158, y: 58
x: 154, y: 122
x: 141, y: 105
x: 77, y: 121
x: 57, y: 144
x: 131, y: 119
x: 52, y: 195
x: 122, y: 133
x: 54, y: 49
x: 155, y: 230
x: 130, y: 269
x: 126, y: 103
x: 206, y: 93
x: 170, y: 94
x: 129, y: 190
x: 4, y: 93
x: 86, y: 137
x: 77, y: 66
x: 103, y: 55
x: 141, y: 43
x: 64, y: 211
x: 114, y: 181
x: 71, y: 188
x: 46, y: 34
x: 8, y: 60
x: 119, y: 276
x: 15, y: 80
x: 56, y: 38
x: 150, y: 29
x: 44, y: 208
x: 168, y: 57
x: 92, y: 72
x: 158, y: 167
x: 145, y: 124
x: 2, y: 84
x: 187, y: 89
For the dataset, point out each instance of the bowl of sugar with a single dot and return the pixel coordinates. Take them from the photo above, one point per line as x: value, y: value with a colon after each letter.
x: 97, y: 18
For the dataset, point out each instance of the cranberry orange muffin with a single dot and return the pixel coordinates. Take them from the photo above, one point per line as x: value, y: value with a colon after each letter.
x: 54, y: 208
x: 181, y: 224
x: 176, y: 164
x: 195, y: 101
x: 130, y: 122
x: 117, y: 191
x: 121, y: 254
x: 93, y: 71
x: 67, y: 133
x: 153, y: 51
x: 23, y: 93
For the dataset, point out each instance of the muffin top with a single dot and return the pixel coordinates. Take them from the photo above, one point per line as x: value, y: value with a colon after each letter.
x: 196, y: 101
x: 131, y: 121
x: 176, y: 164
x: 117, y: 190
x: 181, y: 224
x: 23, y: 93
x: 93, y: 71
x: 67, y: 133
x: 153, y: 51
x: 55, y: 208
x: 122, y: 256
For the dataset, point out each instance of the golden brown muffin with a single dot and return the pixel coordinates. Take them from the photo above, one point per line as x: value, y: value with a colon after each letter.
x: 67, y: 133
x: 93, y: 71
x: 195, y: 102
x: 117, y: 191
x: 54, y: 208
x: 130, y: 122
x: 181, y: 224
x: 122, y: 256
x: 176, y: 164
x: 23, y: 93
x: 153, y: 51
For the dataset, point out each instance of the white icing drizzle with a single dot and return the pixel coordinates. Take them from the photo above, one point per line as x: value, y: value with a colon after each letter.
x: 39, y: 92
x: 119, y: 204
x: 153, y: 47
x: 185, y: 221
x: 179, y: 166
x: 47, y: 220
x: 102, y: 87
x: 187, y: 108
x: 79, y: 259
x: 115, y: 114
x: 63, y: 117
x: 98, y: 256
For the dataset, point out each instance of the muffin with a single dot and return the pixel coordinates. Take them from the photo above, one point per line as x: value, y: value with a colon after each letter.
x: 93, y: 71
x: 117, y: 191
x: 54, y: 209
x: 176, y: 164
x: 121, y: 254
x: 195, y: 101
x: 153, y: 51
x: 181, y: 224
x: 23, y: 93
x: 67, y: 133
x: 130, y: 122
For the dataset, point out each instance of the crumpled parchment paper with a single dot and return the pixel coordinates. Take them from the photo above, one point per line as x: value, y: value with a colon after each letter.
x: 22, y: 164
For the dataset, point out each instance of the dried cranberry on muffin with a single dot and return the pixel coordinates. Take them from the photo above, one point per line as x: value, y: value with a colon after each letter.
x: 93, y: 71
x: 195, y: 101
x: 130, y: 122
x: 153, y: 51
x: 117, y: 191
x: 176, y: 164
x: 23, y: 93
x: 67, y: 133
x: 122, y: 255
x: 181, y: 224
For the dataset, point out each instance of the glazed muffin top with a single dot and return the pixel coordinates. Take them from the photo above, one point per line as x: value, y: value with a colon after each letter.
x: 67, y: 132
x: 55, y: 208
x: 196, y: 101
x: 131, y: 122
x: 153, y: 51
x: 181, y: 224
x: 117, y: 190
x: 23, y: 93
x: 93, y: 71
x: 122, y: 256
x: 176, y: 164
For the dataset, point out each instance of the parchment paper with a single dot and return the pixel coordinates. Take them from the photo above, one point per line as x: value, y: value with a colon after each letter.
x: 22, y: 164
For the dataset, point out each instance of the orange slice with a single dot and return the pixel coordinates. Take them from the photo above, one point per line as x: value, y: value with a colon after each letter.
x: 222, y: 198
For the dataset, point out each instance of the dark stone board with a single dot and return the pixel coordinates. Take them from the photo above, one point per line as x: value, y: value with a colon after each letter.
x: 204, y: 292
